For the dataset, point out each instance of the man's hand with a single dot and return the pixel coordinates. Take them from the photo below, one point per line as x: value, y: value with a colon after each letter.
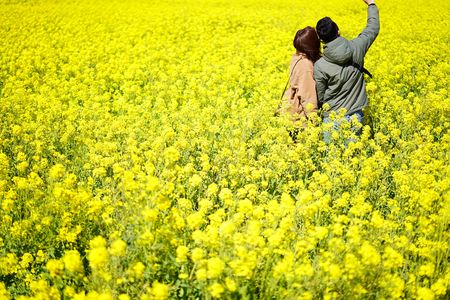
x: 368, y: 2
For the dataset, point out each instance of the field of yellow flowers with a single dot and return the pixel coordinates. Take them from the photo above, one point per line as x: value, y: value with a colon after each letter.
x: 140, y: 159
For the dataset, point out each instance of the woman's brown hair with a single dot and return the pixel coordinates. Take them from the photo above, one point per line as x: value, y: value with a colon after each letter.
x: 307, y: 42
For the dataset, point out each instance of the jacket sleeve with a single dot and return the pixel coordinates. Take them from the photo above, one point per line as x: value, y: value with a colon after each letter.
x: 321, y: 83
x: 369, y: 34
x: 306, y: 85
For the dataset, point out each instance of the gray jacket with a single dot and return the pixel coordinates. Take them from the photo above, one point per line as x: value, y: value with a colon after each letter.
x: 337, y: 83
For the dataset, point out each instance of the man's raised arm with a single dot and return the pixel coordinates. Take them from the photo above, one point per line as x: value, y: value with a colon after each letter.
x: 369, y: 34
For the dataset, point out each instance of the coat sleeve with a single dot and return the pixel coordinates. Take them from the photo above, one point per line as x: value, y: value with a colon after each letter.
x: 307, y: 86
x: 369, y: 34
x: 321, y: 83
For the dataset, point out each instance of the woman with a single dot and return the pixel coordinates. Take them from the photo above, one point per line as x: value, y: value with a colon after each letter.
x: 301, y: 95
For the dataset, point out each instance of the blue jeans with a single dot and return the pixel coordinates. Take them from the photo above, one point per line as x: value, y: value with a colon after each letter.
x: 359, y: 117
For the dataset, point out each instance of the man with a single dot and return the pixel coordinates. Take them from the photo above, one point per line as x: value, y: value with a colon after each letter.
x: 339, y: 73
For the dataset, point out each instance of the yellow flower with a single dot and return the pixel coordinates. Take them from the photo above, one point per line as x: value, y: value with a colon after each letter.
x: 425, y: 294
x: 182, y: 252
x: 146, y: 238
x: 227, y: 228
x: 392, y: 259
x: 16, y: 130
x: 97, y: 242
x: 284, y: 266
x: 216, y: 290
x: 320, y: 232
x: 201, y: 274
x: 150, y: 214
x: 4, y: 294
x: 215, y: 267
x: 99, y: 172
x: 195, y: 220
x: 230, y: 284
x: 138, y: 270
x: 226, y: 195
x: 72, y: 261
x: 40, y: 256
x: 171, y: 155
x: 306, y: 296
x: 8, y: 201
x: 426, y: 269
x: 394, y: 285
x: 439, y: 287
x: 98, y: 258
x: 195, y: 180
x: 124, y: 297
x: 197, y: 254
x: 69, y: 291
x: 55, y: 267
x: 245, y: 206
x: 335, y: 271
x: 100, y: 296
x: 118, y: 248
x: 369, y: 255
x: 212, y: 189
x: 4, y: 164
x: 160, y: 291
x: 22, y: 166
x: 56, y: 172
x: 153, y: 183
x: 304, y: 269
x: 26, y: 260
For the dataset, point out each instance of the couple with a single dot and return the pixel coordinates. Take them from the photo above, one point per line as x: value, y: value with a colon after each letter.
x: 336, y: 78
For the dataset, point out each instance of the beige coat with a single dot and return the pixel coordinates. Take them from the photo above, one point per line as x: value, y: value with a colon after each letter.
x: 301, y: 97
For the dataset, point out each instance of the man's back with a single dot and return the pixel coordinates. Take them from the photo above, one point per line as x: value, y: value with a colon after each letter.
x: 339, y: 83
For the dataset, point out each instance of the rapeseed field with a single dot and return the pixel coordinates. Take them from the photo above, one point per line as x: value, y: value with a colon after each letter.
x: 140, y: 158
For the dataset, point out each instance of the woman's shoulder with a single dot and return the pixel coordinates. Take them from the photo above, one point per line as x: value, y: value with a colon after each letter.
x: 302, y: 61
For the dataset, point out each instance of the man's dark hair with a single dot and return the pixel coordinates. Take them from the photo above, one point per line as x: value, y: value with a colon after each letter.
x: 327, y: 29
